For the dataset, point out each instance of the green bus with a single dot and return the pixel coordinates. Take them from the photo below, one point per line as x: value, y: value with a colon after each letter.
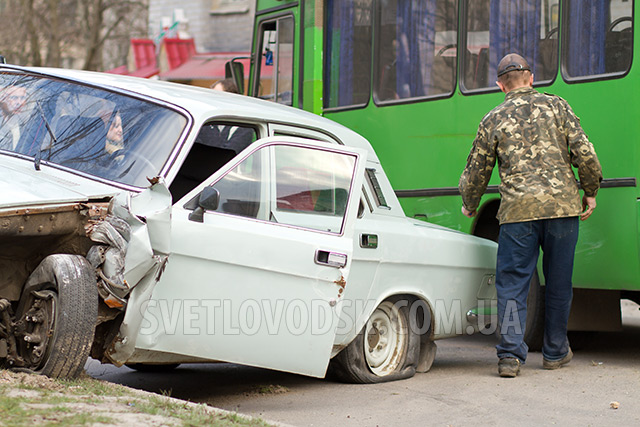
x: 415, y: 77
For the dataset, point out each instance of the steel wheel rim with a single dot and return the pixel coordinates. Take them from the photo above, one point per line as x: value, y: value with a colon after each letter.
x: 36, y: 354
x: 385, y: 339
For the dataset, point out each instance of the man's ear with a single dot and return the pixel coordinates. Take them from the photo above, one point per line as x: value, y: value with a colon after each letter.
x: 501, y: 86
x: 531, y: 80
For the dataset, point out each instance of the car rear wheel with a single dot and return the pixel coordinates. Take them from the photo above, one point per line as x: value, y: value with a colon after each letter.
x: 387, y: 348
x: 56, y: 316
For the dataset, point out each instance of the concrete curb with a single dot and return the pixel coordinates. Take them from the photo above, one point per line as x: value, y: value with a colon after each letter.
x: 207, y: 408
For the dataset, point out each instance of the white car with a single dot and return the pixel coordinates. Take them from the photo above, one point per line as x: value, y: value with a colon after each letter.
x: 151, y: 224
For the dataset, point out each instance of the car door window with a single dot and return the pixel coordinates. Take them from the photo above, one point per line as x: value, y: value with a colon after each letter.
x: 216, y: 144
x: 242, y: 190
x: 305, y: 187
x: 311, y: 187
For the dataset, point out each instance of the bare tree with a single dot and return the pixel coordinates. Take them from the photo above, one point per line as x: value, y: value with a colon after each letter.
x: 70, y: 32
x: 13, y: 41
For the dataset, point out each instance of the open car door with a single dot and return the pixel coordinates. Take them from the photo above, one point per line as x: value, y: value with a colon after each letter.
x: 260, y: 261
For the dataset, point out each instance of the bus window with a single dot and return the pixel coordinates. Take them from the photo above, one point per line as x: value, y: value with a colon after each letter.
x: 598, y: 37
x: 275, y: 75
x: 496, y: 28
x: 416, y: 49
x: 347, y: 71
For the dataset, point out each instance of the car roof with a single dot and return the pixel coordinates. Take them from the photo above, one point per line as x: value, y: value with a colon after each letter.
x: 203, y: 103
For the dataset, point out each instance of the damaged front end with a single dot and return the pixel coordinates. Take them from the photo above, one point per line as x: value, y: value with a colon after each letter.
x: 67, y: 272
x: 133, y: 250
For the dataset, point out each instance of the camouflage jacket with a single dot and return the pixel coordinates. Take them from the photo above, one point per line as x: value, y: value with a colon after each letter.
x: 535, y: 138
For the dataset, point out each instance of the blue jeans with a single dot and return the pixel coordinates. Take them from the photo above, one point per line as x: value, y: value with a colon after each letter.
x: 518, y: 249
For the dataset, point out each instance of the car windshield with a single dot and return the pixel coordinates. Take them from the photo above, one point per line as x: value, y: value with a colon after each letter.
x: 99, y: 132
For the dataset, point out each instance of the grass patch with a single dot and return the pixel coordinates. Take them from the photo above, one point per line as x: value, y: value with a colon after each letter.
x: 24, y: 411
x: 193, y: 416
x: 27, y: 399
x: 90, y: 386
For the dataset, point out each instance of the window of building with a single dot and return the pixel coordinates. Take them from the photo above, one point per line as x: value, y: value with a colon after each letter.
x: 226, y: 7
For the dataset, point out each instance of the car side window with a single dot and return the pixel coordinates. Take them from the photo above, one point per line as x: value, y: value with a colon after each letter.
x: 242, y: 190
x: 216, y: 144
x: 305, y: 187
x: 227, y: 136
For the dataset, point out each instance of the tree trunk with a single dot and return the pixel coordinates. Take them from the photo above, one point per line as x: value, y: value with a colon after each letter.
x: 94, y: 19
x: 53, y: 46
x: 33, y: 33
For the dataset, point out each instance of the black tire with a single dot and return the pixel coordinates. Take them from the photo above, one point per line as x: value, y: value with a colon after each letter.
x: 62, y: 294
x: 144, y: 367
x: 534, y: 329
x: 396, y: 359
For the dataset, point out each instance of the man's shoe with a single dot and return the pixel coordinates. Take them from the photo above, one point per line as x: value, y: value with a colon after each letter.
x: 555, y: 364
x: 508, y: 367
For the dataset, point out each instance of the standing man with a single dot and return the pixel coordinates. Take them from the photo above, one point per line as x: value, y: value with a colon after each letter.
x: 225, y: 85
x: 235, y: 138
x: 535, y: 138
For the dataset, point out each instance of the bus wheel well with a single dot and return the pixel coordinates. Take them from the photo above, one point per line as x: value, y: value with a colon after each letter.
x: 487, y: 225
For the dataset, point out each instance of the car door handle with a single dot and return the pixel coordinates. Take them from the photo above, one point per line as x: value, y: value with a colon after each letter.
x: 332, y: 259
x: 369, y: 241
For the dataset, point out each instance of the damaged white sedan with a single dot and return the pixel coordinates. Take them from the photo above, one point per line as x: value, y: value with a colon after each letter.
x: 152, y: 224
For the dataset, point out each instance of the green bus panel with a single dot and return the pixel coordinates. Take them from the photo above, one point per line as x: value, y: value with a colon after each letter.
x: 423, y: 145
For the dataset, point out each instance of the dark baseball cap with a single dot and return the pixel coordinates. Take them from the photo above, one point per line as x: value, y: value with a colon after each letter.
x: 512, y: 62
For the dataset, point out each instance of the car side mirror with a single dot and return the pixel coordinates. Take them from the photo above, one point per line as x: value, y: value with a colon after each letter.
x: 208, y: 200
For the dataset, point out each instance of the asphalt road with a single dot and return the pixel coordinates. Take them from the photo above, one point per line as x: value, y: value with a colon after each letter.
x: 461, y: 389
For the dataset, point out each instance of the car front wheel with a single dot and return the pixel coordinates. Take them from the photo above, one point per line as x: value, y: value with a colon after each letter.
x: 56, y: 317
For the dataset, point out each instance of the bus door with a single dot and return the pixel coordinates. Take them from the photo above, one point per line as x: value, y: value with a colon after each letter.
x: 274, y: 60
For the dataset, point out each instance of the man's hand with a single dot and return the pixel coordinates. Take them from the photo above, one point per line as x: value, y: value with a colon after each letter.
x: 471, y: 214
x: 588, y: 205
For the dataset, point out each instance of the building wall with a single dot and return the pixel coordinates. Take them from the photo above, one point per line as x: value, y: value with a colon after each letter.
x: 216, y: 25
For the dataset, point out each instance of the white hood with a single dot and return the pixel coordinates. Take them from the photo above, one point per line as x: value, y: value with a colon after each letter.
x: 22, y: 185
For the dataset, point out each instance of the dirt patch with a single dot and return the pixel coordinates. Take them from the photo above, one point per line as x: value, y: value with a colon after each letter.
x: 24, y: 380
x: 267, y: 390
